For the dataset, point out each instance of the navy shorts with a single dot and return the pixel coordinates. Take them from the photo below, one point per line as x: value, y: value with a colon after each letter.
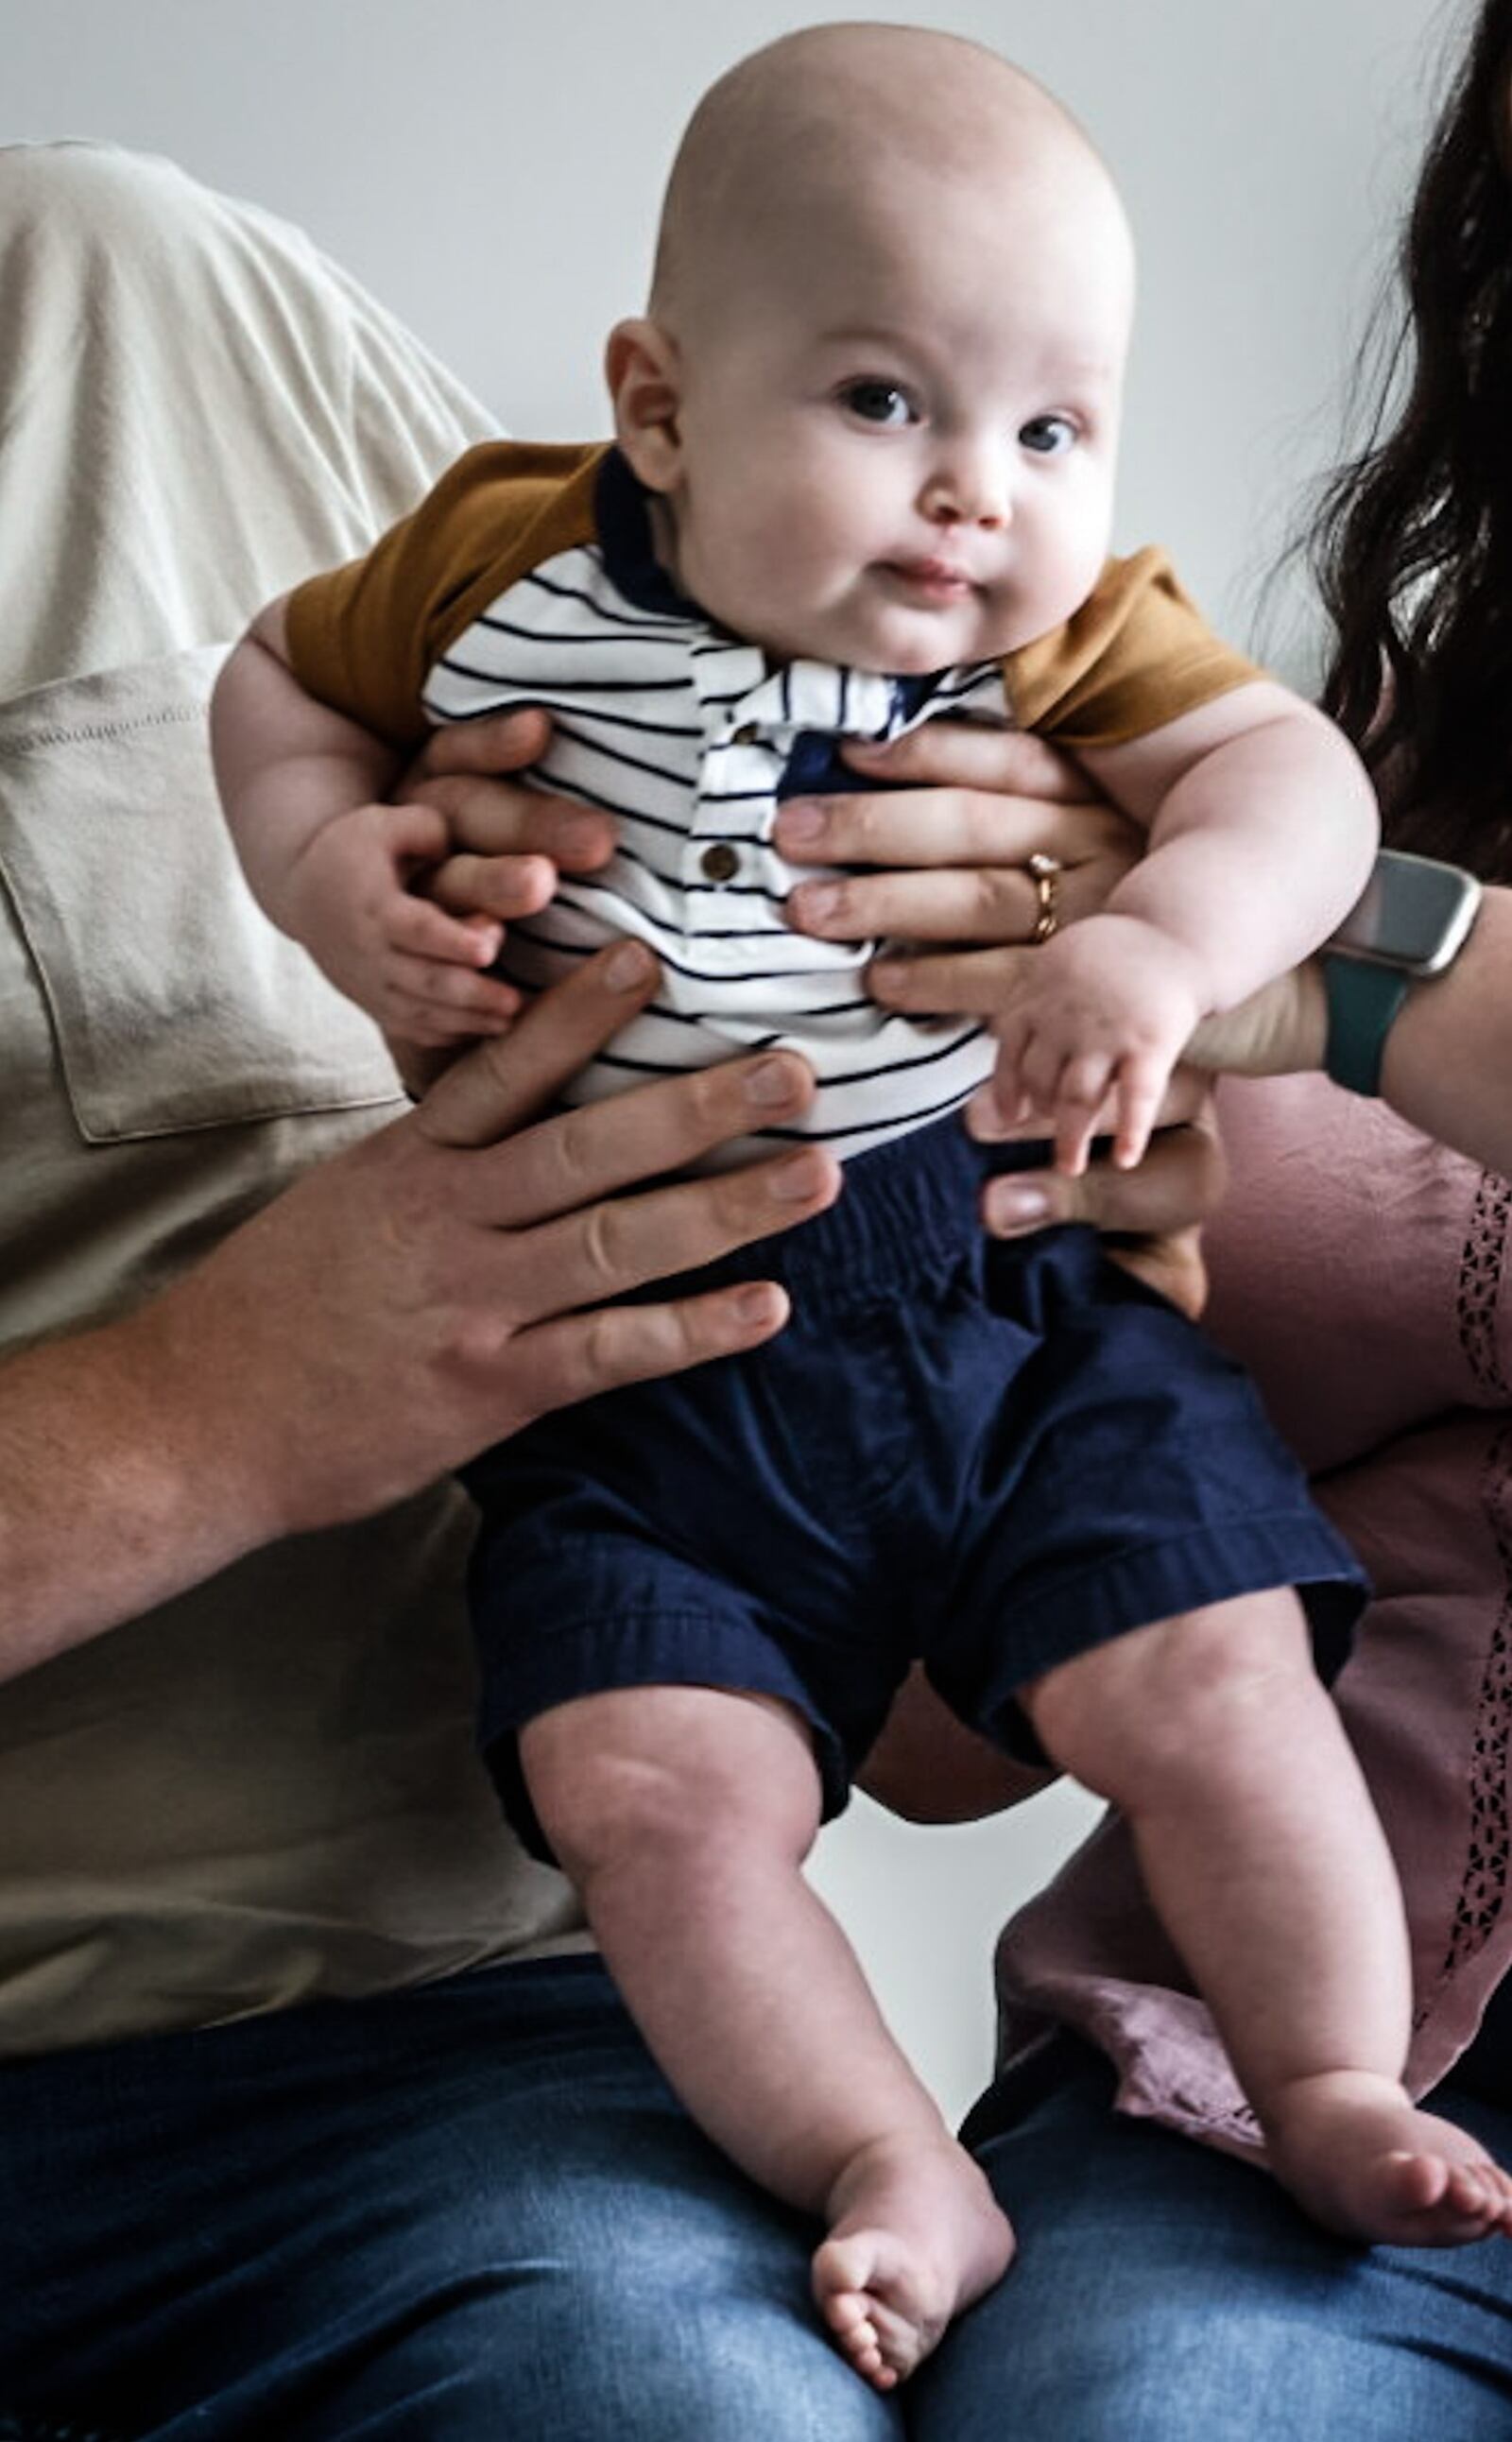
x: 988, y: 1456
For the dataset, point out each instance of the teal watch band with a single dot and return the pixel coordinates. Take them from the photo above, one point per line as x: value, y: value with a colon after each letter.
x: 1363, y: 1000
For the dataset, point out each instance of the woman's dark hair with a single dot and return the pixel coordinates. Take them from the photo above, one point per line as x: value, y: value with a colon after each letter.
x: 1412, y: 548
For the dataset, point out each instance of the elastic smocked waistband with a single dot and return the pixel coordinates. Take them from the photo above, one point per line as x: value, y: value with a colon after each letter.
x: 906, y: 1213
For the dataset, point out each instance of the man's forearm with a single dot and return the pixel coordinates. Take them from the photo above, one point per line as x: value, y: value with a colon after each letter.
x: 109, y: 1502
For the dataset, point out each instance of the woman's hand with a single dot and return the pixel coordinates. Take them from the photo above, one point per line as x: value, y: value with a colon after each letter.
x: 958, y: 811
x: 1278, y: 1030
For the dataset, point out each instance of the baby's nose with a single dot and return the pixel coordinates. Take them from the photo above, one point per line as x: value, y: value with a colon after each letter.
x: 971, y: 488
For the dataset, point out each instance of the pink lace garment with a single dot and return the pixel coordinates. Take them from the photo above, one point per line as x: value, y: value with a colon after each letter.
x: 1364, y: 1275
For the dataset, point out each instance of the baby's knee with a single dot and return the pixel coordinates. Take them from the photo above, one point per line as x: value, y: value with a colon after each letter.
x: 664, y: 1776
x: 1164, y: 1702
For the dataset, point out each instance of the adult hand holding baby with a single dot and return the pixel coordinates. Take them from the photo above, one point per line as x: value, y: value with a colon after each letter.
x: 437, y: 1285
x: 958, y: 811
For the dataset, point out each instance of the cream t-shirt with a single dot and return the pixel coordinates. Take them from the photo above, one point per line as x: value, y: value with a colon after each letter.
x: 266, y: 1790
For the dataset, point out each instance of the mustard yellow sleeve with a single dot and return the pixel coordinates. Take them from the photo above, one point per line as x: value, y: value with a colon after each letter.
x: 1136, y: 655
x: 362, y: 638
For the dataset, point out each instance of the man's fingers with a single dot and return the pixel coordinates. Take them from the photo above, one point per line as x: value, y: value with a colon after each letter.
x: 608, y: 1248
x: 505, y: 818
x: 495, y: 1091
x: 555, y: 1364
x: 579, y: 1156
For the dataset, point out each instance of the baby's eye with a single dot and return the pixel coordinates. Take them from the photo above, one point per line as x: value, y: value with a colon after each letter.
x: 1048, y: 435
x: 877, y: 401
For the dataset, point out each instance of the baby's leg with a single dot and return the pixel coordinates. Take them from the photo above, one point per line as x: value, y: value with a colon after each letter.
x: 1265, y: 1857
x: 683, y: 1816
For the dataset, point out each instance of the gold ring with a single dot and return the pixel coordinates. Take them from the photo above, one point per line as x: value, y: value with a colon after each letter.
x: 1044, y: 872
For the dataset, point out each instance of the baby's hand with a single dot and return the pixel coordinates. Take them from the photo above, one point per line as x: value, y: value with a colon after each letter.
x: 1103, y: 1010
x: 402, y: 958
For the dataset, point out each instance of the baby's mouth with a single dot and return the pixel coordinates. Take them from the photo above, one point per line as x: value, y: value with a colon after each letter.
x: 933, y: 580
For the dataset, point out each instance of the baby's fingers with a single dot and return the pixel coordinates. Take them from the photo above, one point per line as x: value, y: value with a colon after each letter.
x: 1079, y: 1092
x: 1139, y: 1088
x: 429, y: 1002
x: 1011, y: 1102
x: 417, y: 929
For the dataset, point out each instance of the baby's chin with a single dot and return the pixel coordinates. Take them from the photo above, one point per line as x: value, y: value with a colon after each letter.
x: 900, y: 644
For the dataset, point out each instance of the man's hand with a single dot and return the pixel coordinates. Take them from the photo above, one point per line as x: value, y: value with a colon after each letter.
x: 397, y: 1309
x: 451, y: 1277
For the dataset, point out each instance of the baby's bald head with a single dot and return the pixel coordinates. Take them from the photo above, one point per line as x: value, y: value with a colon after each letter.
x: 842, y: 136
x: 876, y: 399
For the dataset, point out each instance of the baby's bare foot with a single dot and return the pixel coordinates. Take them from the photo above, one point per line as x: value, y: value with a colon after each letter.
x: 1365, y: 2162
x: 916, y: 2236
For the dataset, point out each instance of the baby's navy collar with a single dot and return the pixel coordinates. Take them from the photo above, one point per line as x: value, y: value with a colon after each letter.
x: 623, y: 513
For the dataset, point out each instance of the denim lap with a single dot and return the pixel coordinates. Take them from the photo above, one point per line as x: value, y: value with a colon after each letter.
x: 1167, y: 2293
x: 470, y: 2214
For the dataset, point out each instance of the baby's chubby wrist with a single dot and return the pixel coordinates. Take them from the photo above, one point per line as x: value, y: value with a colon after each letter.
x: 335, y: 856
x: 1127, y: 938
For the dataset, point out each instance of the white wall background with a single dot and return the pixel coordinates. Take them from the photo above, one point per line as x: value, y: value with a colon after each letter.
x: 493, y: 170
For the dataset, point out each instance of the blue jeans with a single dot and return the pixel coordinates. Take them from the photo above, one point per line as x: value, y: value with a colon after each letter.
x: 475, y: 2214
x: 470, y: 2214
x: 1165, y: 2293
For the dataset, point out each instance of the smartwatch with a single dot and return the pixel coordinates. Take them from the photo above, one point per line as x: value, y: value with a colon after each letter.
x: 1411, y: 922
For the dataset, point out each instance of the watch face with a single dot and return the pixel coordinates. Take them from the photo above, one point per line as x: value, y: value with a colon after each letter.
x: 1414, y: 914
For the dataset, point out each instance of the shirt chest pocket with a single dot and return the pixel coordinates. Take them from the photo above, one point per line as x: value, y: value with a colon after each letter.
x: 172, y: 1002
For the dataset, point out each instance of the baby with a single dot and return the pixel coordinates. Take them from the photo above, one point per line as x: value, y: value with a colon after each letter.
x: 866, y: 444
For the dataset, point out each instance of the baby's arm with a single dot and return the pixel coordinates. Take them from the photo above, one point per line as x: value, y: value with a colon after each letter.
x: 331, y: 864
x: 1262, y: 829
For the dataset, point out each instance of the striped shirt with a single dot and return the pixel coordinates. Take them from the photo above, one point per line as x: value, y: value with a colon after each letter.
x: 691, y: 738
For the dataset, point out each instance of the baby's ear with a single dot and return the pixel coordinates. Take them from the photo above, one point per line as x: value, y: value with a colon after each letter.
x: 642, y: 369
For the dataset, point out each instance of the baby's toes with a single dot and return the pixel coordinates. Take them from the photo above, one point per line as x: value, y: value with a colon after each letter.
x: 1453, y: 2203
x: 859, y: 2340
x: 1501, y: 2197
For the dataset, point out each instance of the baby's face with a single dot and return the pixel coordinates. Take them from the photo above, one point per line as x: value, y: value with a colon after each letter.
x: 902, y: 454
